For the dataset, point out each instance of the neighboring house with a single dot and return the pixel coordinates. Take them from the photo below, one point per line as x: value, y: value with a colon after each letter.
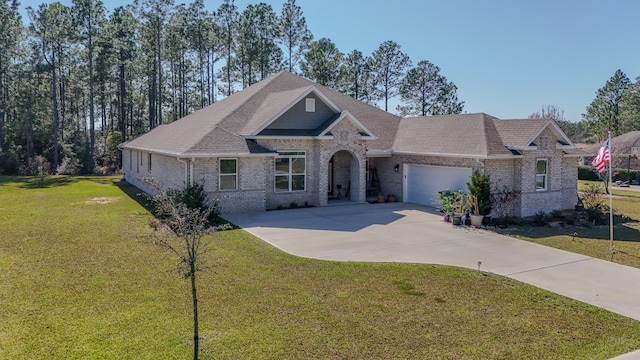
x: 287, y: 140
x: 625, y: 150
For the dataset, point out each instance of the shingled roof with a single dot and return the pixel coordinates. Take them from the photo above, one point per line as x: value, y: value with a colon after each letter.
x: 473, y: 135
x: 222, y: 127
x: 230, y: 126
x: 621, y: 145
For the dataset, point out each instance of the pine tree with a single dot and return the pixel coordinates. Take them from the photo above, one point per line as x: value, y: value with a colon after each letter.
x: 227, y: 18
x: 603, y: 114
x: 389, y: 65
x: 322, y: 63
x: 88, y: 16
x: 426, y: 92
x: 294, y: 34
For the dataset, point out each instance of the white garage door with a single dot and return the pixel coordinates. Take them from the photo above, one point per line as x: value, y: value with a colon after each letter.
x: 422, y: 182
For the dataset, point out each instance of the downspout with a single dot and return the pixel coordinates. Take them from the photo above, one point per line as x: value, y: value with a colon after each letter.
x: 193, y: 159
x: 189, y: 168
x: 186, y: 166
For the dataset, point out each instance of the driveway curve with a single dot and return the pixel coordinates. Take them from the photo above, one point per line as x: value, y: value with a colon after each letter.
x: 402, y: 232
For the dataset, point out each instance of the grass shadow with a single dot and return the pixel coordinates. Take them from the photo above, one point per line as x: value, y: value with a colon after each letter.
x: 139, y: 196
x: 135, y: 194
x: 38, y: 182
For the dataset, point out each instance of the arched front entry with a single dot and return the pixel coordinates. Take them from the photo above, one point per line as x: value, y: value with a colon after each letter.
x: 343, y: 177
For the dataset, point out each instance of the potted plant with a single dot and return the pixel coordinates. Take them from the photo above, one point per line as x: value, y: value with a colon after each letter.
x: 479, y: 197
x: 452, y: 204
x: 380, y: 198
x: 476, y: 217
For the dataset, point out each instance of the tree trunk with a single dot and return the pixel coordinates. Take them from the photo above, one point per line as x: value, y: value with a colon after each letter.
x: 195, y: 310
x: 54, y: 124
x: 63, y: 105
x: 229, y: 65
x: 3, y: 100
x: 159, y: 93
x: 3, y: 111
x: 152, y: 96
x: 92, y: 131
x: 122, y: 105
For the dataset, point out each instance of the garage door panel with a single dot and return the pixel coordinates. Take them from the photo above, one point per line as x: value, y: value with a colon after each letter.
x: 422, y: 183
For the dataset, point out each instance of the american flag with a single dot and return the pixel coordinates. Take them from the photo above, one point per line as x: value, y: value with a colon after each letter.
x: 603, y: 158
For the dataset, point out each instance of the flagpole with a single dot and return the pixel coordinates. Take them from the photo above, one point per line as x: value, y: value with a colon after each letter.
x: 611, y: 247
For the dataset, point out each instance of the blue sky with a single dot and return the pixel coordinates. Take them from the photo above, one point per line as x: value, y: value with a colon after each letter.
x: 507, y: 57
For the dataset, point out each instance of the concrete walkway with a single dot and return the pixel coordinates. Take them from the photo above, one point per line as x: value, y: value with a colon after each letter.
x: 401, y: 232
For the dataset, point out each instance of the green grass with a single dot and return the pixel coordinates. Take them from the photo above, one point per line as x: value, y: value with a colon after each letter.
x: 595, y: 241
x: 77, y: 282
x: 582, y: 185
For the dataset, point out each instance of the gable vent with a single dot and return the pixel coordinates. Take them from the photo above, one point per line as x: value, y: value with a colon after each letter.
x: 310, y: 105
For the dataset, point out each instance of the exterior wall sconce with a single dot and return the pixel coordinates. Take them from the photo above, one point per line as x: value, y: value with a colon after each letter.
x: 396, y: 168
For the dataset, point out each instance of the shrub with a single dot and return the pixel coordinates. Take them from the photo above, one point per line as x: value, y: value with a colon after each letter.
x: 105, y: 170
x: 586, y: 172
x: 9, y: 162
x: 508, y: 220
x: 540, y: 219
x: 68, y: 166
x: 593, y: 204
x: 570, y: 220
x: 191, y: 196
x: 480, y: 188
x: 556, y: 213
x: 623, y: 175
x: 502, y: 199
x: 35, y: 166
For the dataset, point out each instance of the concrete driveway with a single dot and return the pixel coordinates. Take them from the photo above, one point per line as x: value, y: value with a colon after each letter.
x: 401, y: 232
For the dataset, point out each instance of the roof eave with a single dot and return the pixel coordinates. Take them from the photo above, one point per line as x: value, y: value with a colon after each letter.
x: 564, y: 147
x: 379, y: 153
x: 351, y: 117
x: 300, y: 137
x: 465, y: 156
x: 523, y: 148
x: 556, y: 130
x: 182, y: 155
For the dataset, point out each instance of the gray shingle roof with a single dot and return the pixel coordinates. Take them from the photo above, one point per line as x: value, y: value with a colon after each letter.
x: 222, y: 127
x: 519, y: 133
x: 462, y: 134
x: 620, y: 145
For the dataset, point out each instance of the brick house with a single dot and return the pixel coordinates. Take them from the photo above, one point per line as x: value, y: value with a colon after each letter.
x: 625, y: 151
x: 288, y: 140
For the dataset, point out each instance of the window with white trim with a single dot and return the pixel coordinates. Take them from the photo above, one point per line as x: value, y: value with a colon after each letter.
x: 228, y: 174
x: 541, y: 174
x: 149, y: 163
x: 130, y: 159
x: 290, y: 171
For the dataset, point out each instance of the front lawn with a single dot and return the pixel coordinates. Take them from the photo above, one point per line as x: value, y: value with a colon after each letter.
x: 594, y: 241
x: 76, y: 282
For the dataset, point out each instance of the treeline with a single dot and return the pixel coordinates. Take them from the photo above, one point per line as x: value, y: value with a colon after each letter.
x: 616, y: 108
x: 77, y: 81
